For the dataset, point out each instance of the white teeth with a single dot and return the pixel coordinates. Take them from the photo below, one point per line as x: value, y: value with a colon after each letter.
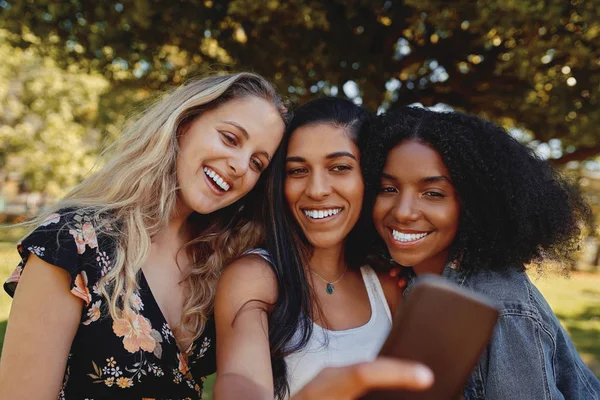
x: 407, y: 237
x: 319, y: 214
x: 216, y: 178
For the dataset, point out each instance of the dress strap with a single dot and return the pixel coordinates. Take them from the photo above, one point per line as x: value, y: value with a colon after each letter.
x: 260, y: 252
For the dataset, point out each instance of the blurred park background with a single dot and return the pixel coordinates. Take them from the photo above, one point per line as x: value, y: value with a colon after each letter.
x: 74, y: 72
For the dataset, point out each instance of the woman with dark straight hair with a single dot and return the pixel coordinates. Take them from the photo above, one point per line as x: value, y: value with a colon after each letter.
x: 307, y: 302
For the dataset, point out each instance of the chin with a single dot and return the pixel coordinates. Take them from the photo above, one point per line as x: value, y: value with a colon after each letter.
x: 324, y: 243
x: 205, y: 207
x: 405, y: 261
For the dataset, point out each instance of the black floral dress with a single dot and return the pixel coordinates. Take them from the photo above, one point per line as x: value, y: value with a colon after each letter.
x: 134, y: 357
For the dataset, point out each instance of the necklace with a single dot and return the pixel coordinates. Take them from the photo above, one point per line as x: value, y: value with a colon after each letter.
x: 330, y: 288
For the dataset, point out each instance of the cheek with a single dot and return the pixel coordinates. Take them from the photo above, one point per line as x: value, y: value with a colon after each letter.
x: 199, y: 147
x: 380, y: 209
x: 449, y: 218
x: 455, y: 220
x: 290, y: 191
x: 250, y: 182
x: 182, y: 169
x: 354, y: 191
x: 188, y: 142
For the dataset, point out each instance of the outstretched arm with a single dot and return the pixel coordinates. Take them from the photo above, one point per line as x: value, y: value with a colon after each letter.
x: 245, y: 292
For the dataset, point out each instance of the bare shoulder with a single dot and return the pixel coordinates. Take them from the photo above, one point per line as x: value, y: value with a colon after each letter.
x: 248, y: 278
x: 391, y: 290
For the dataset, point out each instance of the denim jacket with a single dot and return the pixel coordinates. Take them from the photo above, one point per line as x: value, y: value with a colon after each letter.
x: 530, y: 355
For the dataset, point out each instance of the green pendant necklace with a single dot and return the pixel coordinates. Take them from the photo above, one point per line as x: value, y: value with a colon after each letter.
x: 330, y: 288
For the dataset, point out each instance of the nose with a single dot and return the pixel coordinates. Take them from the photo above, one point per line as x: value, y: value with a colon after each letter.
x: 406, y: 208
x: 238, y: 165
x: 318, y: 186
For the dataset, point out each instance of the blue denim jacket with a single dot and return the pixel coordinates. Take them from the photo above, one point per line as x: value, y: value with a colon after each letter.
x: 530, y: 355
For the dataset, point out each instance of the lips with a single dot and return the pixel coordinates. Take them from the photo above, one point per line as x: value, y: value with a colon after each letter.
x: 219, y: 181
x: 321, y: 213
x: 407, y: 238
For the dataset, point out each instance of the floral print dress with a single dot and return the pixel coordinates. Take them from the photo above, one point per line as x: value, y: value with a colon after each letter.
x: 134, y: 357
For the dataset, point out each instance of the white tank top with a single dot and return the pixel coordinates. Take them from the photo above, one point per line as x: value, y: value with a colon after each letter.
x: 327, y: 348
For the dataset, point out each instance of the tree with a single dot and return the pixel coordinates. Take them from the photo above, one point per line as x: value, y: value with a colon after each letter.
x: 531, y: 63
x: 46, y: 119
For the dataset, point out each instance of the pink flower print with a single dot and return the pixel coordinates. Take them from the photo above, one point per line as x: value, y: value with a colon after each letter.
x: 80, y: 288
x: 136, y: 332
x: 84, y: 236
x: 78, y: 236
x: 89, y: 235
x: 183, y: 365
x: 137, y: 303
x: 16, y: 275
x: 93, y: 313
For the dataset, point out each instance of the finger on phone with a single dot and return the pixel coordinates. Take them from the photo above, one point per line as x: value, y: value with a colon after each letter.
x: 389, y: 373
x: 351, y: 382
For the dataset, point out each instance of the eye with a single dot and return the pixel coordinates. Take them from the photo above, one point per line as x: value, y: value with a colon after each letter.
x: 257, y: 164
x: 388, y: 189
x: 296, y: 171
x: 434, y: 194
x: 229, y: 138
x: 341, y: 168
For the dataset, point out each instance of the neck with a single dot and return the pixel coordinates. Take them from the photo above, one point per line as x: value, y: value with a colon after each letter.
x: 328, y: 262
x: 176, y: 232
x: 434, y: 265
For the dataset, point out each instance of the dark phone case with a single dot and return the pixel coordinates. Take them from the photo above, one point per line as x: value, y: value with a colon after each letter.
x: 444, y: 327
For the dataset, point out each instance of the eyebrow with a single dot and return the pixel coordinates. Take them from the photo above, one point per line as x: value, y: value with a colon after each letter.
x: 339, y: 154
x: 329, y: 156
x: 241, y: 128
x: 245, y: 133
x: 428, y: 179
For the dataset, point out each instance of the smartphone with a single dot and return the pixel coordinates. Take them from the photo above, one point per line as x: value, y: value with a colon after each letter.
x: 443, y: 326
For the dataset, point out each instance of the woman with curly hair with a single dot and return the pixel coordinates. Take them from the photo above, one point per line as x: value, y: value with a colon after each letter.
x: 457, y: 196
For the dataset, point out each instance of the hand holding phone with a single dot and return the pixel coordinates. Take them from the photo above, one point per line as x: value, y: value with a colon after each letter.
x: 443, y: 326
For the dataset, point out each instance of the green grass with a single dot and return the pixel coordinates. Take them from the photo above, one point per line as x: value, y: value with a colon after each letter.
x: 575, y: 300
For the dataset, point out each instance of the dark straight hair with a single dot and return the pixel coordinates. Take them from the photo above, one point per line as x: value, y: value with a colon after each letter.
x: 290, y: 323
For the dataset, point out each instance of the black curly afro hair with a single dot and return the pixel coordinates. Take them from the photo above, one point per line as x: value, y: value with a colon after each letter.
x: 515, y: 208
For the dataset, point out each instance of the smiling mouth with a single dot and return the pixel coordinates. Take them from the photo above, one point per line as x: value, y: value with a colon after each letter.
x: 321, y: 214
x: 217, y: 179
x: 408, y: 238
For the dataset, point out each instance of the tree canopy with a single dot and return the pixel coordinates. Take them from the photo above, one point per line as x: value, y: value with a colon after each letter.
x: 528, y: 63
x: 47, y: 119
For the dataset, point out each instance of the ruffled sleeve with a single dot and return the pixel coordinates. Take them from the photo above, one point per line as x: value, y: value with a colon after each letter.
x: 68, y: 240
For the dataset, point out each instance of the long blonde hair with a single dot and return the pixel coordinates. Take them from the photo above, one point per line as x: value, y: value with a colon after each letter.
x: 137, y: 189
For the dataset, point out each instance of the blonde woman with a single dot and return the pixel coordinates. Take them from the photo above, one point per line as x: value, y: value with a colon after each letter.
x: 116, y: 285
